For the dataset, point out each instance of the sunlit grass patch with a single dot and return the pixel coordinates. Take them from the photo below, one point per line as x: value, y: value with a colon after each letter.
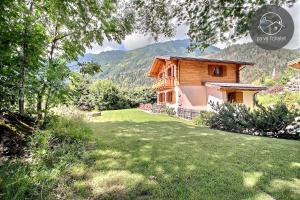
x: 78, y: 170
x: 295, y: 165
x: 251, y: 179
x: 288, y: 187
x: 182, y: 161
x: 115, y: 184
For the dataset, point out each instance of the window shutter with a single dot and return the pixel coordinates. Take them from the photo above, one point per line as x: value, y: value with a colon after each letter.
x: 173, y: 97
x: 210, y: 70
x: 224, y: 70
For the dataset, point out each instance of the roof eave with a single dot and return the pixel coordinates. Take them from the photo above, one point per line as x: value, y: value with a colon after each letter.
x: 248, y: 88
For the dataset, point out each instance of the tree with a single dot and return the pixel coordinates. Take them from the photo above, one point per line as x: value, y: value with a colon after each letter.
x: 208, y: 21
x: 108, y: 96
x: 22, y: 44
x: 89, y: 68
x: 80, y: 85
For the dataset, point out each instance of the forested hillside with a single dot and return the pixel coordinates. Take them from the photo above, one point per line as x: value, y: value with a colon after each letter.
x: 129, y: 68
x: 265, y: 61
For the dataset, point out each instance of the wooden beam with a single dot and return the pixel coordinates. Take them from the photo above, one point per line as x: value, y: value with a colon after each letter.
x: 238, y: 73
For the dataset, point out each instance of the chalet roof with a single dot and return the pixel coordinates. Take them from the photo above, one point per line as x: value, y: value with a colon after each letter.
x: 203, y: 60
x: 160, y: 59
x: 295, y: 63
x: 235, y: 86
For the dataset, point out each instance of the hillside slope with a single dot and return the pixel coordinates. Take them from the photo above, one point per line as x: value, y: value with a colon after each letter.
x: 129, y: 68
x: 265, y: 61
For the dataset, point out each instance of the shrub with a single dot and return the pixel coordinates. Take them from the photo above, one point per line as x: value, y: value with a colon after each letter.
x: 146, y: 107
x: 158, y: 108
x: 267, y: 121
x: 203, y: 118
x: 272, y: 119
x: 170, y: 111
x: 230, y: 117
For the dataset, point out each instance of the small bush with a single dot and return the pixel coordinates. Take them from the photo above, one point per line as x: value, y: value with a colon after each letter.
x: 204, y: 118
x: 170, y: 111
x: 272, y: 119
x: 267, y: 121
x: 230, y: 117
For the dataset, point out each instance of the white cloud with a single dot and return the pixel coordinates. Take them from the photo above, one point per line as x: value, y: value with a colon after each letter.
x: 107, y: 46
x: 137, y: 40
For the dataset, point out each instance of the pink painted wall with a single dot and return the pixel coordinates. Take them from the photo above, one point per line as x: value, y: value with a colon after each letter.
x: 197, y: 97
x: 192, y: 97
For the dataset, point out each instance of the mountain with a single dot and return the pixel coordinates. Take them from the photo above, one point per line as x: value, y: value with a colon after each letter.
x: 265, y: 61
x: 129, y: 68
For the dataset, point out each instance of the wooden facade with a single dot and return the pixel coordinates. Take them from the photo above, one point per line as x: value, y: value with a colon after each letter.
x: 186, y: 78
x: 197, y: 73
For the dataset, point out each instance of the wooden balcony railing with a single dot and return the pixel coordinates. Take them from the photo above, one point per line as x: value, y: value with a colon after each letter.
x: 164, y: 83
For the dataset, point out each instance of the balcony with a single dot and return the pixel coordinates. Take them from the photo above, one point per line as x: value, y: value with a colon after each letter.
x: 164, y: 83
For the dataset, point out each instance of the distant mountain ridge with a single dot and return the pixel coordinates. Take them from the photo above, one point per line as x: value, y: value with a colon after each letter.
x: 129, y: 68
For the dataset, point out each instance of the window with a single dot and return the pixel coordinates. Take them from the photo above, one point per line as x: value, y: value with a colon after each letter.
x: 169, y: 71
x: 161, y: 97
x: 169, y: 96
x: 217, y: 70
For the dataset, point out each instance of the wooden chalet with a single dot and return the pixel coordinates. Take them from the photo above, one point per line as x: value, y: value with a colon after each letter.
x: 191, y: 83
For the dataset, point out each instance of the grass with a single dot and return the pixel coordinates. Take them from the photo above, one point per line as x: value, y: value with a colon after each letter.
x: 147, y: 156
x: 130, y: 154
x: 41, y: 174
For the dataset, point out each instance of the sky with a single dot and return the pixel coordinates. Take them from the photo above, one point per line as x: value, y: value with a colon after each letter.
x: 136, y: 40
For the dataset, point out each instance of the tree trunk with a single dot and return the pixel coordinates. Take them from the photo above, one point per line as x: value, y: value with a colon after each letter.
x: 50, y: 60
x: 24, y: 64
x: 40, y: 102
x: 47, y: 103
x: 22, y: 89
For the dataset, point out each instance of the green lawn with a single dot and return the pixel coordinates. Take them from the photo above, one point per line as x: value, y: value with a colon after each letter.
x: 149, y: 156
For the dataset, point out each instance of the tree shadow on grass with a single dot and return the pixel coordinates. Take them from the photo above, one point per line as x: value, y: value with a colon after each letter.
x: 172, y: 160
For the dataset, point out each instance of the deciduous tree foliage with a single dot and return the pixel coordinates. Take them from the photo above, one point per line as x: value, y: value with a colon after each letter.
x: 208, y: 21
x: 88, y: 94
x: 38, y: 37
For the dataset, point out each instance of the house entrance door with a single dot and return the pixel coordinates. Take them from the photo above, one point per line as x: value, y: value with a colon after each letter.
x: 235, y: 97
